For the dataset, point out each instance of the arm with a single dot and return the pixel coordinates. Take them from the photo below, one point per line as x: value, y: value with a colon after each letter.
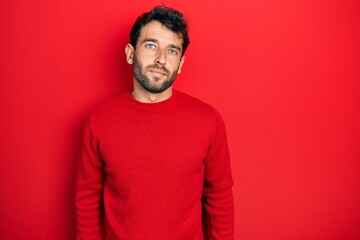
x: 218, y: 199
x: 89, y: 190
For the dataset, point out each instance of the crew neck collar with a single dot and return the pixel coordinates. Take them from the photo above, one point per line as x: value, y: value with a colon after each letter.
x: 150, y: 107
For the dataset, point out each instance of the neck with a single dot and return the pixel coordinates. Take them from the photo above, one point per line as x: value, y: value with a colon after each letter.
x: 142, y: 95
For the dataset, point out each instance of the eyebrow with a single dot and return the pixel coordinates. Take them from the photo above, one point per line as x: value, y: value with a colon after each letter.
x: 156, y: 41
x: 150, y: 40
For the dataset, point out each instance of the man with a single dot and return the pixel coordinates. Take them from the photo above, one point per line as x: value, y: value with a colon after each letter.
x: 154, y: 158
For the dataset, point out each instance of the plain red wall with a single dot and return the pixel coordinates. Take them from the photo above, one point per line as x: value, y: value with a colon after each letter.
x: 284, y: 75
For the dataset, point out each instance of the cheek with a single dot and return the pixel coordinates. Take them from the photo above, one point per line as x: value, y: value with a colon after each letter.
x: 145, y: 58
x: 148, y: 55
x: 173, y: 64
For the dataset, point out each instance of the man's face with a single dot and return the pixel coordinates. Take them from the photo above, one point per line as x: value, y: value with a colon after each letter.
x: 157, y: 58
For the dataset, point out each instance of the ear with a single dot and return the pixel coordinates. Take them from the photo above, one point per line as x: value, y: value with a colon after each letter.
x: 129, y: 51
x: 182, y: 60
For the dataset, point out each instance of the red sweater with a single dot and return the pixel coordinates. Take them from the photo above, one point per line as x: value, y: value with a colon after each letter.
x: 145, y: 168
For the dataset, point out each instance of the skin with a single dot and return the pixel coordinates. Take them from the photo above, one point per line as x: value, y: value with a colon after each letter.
x: 158, y: 57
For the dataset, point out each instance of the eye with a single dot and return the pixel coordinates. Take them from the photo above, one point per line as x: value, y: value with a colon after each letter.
x: 150, y: 46
x: 173, y: 51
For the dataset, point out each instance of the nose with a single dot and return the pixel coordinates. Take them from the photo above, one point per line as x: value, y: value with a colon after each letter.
x: 160, y: 57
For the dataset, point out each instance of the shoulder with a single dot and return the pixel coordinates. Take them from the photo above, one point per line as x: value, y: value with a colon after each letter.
x: 203, y: 115
x: 190, y: 103
x: 198, y: 111
x: 109, y: 110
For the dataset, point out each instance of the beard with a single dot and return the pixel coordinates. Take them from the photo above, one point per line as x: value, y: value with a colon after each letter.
x: 156, y: 84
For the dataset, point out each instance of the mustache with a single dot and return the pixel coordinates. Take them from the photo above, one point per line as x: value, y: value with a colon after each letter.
x: 157, y: 67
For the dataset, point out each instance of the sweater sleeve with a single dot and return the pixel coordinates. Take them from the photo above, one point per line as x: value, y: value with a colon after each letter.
x: 218, y: 198
x: 89, y: 190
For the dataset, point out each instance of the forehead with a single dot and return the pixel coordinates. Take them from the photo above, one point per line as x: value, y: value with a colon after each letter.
x: 156, y: 30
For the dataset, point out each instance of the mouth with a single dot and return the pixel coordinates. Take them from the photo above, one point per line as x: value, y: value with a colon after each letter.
x: 157, y: 71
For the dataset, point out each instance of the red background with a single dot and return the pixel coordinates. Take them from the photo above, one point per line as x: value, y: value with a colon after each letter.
x: 283, y: 74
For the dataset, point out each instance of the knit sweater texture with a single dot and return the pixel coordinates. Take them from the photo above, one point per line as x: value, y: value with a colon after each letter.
x: 153, y: 170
